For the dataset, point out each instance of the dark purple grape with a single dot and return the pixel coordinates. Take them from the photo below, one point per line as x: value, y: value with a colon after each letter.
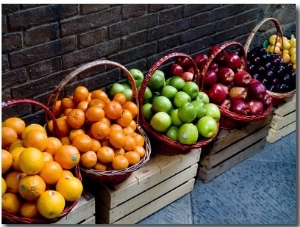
x: 286, y: 79
x: 283, y: 88
x: 268, y: 65
x: 261, y: 69
x: 276, y: 62
x: 251, y: 68
x: 255, y: 75
x: 269, y: 75
x: 275, y: 81
x: 265, y: 82
x: 272, y: 88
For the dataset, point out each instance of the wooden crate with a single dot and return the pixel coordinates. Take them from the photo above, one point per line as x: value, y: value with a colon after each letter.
x: 284, y: 120
x: 160, y: 182
x: 231, y: 147
x: 83, y: 212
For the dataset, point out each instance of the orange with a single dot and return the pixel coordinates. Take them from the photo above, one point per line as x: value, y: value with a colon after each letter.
x: 3, y: 186
x: 132, y: 157
x: 68, y: 102
x: 63, y: 127
x: 17, y: 143
x: 82, y: 142
x: 119, y: 151
x: 132, y: 107
x: 105, y: 142
x: 74, y: 132
x: 100, y: 94
x: 76, y: 118
x: 120, y: 162
x: 47, y: 156
x: 113, y: 110
x: 125, y: 119
x: 67, y: 111
x: 11, y: 203
x: 88, y: 159
x: 29, y: 209
x: 56, y: 109
x: 105, y: 154
x: 83, y: 105
x: 15, y: 123
x: 120, y: 98
x: 30, y: 127
x: 31, y: 187
x: 51, y: 172
x: 51, y: 204
x: 100, y: 130
x: 140, y: 150
x: 81, y: 93
x: 31, y: 160
x: 133, y: 125
x: 96, y: 102
x: 53, y: 144
x: 128, y: 131
x: 36, y: 138
x: 9, y: 136
x: 100, y: 166
x: 106, y: 121
x: 95, y: 145
x: 7, y: 160
x: 70, y: 187
x: 65, y: 140
x: 66, y: 173
x: 129, y: 143
x: 15, y: 157
x: 67, y: 156
x: 12, y: 180
x: 139, y: 139
x: 49, y: 126
x: 117, y: 138
x: 94, y: 114
x: 115, y: 126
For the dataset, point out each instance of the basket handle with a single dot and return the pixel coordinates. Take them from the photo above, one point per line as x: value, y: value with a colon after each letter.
x: 212, y: 57
x: 156, y: 66
x: 31, y: 101
x: 252, y: 34
x: 55, y: 94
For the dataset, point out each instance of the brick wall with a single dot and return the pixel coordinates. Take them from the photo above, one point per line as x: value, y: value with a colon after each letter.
x: 41, y: 44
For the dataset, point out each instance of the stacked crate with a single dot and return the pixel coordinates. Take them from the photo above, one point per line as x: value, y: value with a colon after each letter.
x: 284, y: 120
x: 231, y: 147
x: 160, y: 182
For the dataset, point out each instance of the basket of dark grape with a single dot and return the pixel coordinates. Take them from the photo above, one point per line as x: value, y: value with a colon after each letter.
x: 175, y: 118
x: 225, y: 79
x: 269, y: 66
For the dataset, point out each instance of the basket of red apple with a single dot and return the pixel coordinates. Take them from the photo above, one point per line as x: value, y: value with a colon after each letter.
x: 273, y: 63
x: 175, y: 114
x: 225, y: 79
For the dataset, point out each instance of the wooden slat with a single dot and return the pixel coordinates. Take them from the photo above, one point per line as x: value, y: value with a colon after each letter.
x: 89, y: 221
x: 287, y: 107
x: 279, y: 122
x: 274, y: 135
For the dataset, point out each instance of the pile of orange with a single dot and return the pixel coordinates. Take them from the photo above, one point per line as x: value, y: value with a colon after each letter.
x: 102, y: 128
x: 37, y: 178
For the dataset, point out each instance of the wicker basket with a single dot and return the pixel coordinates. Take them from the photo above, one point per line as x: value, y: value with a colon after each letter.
x: 13, y: 219
x: 108, y: 176
x: 277, y: 98
x: 230, y: 120
x: 161, y: 143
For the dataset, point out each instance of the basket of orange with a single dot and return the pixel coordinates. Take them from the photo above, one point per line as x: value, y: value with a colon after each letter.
x: 240, y: 97
x: 39, y: 184
x: 175, y: 118
x: 273, y: 62
x: 103, y: 127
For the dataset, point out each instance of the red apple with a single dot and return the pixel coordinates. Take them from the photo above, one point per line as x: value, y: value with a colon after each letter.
x: 226, y: 104
x: 214, y: 49
x: 256, y: 89
x: 184, y: 62
x: 238, y: 93
x: 187, y: 76
x: 190, y: 69
x: 255, y: 107
x: 242, y: 78
x: 216, y: 94
x: 176, y: 69
x: 267, y: 99
x: 214, y: 66
x: 200, y: 60
x: 239, y: 106
x: 225, y: 75
x: 233, y: 61
x: 210, y: 78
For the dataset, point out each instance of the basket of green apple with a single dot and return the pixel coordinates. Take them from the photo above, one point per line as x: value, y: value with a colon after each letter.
x: 175, y: 114
x: 240, y: 97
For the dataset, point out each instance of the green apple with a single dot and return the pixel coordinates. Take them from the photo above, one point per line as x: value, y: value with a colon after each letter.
x: 188, y: 134
x: 161, y: 104
x: 200, y: 107
x: 168, y: 91
x: 181, y: 98
x: 128, y: 93
x: 174, y: 117
x: 157, y: 81
x: 161, y: 121
x: 147, y: 111
x: 177, y: 82
x: 172, y: 132
x: 116, y: 88
x: 137, y: 75
x: 207, y: 126
x: 213, y: 111
x: 191, y: 88
x: 203, y: 97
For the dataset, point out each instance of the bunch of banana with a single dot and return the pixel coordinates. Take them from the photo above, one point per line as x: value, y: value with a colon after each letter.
x: 284, y: 47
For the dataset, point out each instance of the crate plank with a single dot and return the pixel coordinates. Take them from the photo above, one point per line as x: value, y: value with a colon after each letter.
x: 287, y: 107
x: 157, y: 169
x: 137, y: 202
x: 89, y: 221
x: 158, y: 204
x: 207, y: 175
x: 274, y: 135
x: 279, y: 122
x: 212, y: 160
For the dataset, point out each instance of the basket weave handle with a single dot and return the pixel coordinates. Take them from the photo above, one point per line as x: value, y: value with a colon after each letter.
x: 156, y: 66
x: 55, y: 94
x: 218, y: 51
x: 252, y: 34
x: 31, y: 101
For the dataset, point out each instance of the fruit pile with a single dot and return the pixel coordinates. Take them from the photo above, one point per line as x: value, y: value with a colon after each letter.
x: 231, y: 87
x: 37, y: 177
x: 101, y: 128
x: 174, y: 105
x: 283, y: 46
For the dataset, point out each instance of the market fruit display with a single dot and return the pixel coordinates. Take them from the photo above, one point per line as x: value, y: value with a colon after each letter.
x: 31, y: 171
x: 230, y: 86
